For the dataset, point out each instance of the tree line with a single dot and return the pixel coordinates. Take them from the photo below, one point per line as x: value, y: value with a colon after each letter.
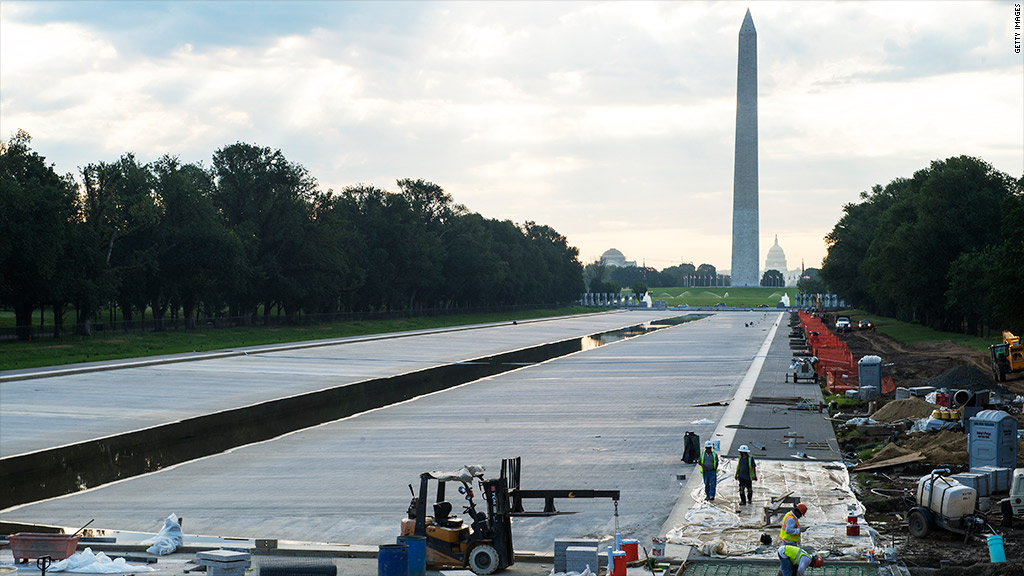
x: 609, y: 279
x: 944, y: 248
x: 253, y: 232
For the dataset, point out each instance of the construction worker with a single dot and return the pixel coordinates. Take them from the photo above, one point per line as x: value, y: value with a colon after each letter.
x: 790, y: 532
x: 794, y: 560
x: 746, y: 473
x: 708, y: 462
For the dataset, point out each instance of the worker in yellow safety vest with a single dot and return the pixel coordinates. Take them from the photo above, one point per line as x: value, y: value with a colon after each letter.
x: 794, y: 561
x: 708, y: 463
x: 790, y: 532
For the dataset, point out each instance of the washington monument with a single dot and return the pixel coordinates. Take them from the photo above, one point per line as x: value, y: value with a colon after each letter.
x: 744, y: 179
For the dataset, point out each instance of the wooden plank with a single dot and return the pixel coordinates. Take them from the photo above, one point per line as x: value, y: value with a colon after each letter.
x: 905, y: 459
x: 774, y: 400
x: 715, y: 403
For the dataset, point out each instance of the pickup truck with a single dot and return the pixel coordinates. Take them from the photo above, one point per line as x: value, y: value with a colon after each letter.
x: 842, y: 325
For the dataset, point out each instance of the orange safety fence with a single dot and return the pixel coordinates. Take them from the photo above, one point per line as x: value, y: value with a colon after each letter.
x: 835, y: 361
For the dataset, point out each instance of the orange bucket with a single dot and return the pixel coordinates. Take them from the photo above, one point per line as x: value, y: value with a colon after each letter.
x: 632, y: 549
x: 618, y: 567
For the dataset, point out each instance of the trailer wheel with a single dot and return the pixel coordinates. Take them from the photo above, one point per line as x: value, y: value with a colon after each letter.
x: 483, y: 559
x: 919, y: 522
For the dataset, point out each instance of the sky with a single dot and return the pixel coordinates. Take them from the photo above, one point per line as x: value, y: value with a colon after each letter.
x: 611, y: 122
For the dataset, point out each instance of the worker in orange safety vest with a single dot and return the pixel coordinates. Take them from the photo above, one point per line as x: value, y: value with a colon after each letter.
x: 790, y: 532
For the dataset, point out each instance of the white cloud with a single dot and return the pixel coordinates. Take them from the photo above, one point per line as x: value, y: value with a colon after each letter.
x: 612, y: 122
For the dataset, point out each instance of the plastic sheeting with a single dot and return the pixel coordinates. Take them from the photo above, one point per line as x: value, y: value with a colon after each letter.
x: 167, y: 539
x: 724, y: 528
x: 464, y: 474
x: 88, y: 563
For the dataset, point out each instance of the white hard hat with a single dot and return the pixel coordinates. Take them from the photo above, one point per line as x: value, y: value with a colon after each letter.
x: 708, y: 444
x: 744, y: 448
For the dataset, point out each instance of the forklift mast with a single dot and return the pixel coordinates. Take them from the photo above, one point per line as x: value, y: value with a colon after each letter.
x: 499, y: 518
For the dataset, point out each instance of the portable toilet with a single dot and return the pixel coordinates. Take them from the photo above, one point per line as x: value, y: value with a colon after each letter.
x: 992, y: 440
x: 869, y: 370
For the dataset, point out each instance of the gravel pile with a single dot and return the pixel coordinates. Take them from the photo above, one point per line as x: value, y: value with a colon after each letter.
x: 908, y: 408
x: 965, y: 378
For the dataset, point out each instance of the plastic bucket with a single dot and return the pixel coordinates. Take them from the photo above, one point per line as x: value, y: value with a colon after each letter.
x: 393, y: 560
x: 995, y: 549
x: 632, y: 549
x: 417, y: 554
x: 618, y: 563
x: 657, y: 548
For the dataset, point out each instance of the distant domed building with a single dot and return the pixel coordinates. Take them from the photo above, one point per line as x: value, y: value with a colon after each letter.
x: 776, y: 259
x: 613, y: 257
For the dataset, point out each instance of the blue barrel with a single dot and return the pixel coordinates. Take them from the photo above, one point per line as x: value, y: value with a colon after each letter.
x: 417, y: 554
x: 995, y: 549
x: 393, y: 560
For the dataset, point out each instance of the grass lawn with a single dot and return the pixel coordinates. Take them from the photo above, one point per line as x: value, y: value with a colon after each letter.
x: 731, y: 296
x: 909, y: 333
x: 113, y: 346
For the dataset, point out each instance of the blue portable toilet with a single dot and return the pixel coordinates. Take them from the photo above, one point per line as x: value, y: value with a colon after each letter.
x: 869, y: 376
x: 992, y: 440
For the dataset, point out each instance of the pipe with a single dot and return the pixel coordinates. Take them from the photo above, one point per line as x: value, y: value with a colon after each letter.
x: 962, y: 397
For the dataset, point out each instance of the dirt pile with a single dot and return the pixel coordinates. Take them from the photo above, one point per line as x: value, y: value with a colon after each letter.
x: 943, y: 447
x: 889, y: 451
x: 965, y: 378
x: 899, y: 409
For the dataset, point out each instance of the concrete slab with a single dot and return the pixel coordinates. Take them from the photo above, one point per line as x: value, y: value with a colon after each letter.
x: 42, y: 409
x: 608, y: 418
x: 768, y: 424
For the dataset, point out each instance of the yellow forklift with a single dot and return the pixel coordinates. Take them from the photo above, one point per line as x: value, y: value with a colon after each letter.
x: 1007, y: 356
x: 485, y: 544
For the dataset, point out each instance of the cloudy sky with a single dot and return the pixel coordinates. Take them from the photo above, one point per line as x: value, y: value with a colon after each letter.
x: 612, y: 122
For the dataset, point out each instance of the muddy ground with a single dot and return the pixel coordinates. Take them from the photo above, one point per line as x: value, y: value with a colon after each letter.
x: 888, y: 493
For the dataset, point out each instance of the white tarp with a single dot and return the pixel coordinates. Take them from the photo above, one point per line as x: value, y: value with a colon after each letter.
x: 167, y: 539
x: 88, y: 563
x: 464, y: 474
x: 724, y: 528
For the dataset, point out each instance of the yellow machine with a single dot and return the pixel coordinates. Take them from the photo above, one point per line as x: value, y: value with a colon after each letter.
x: 1007, y: 357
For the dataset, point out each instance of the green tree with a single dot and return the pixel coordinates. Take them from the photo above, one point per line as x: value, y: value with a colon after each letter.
x: 849, y: 240
x: 679, y: 275
x: 773, y: 278
x: 473, y: 270
x: 706, y: 275
x: 264, y: 199
x: 558, y: 271
x: 811, y: 283
x: 37, y: 208
x: 199, y: 259
x: 950, y: 208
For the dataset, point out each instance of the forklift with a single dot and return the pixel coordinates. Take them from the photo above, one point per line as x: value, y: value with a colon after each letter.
x: 485, y: 545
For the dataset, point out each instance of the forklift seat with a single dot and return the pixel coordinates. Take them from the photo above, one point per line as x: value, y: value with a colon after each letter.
x: 442, y: 512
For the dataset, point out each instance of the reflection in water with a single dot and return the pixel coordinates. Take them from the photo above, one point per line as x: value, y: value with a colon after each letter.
x: 593, y: 341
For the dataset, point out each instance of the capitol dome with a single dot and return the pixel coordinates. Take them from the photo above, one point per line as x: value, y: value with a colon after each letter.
x: 613, y: 257
x: 776, y: 259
